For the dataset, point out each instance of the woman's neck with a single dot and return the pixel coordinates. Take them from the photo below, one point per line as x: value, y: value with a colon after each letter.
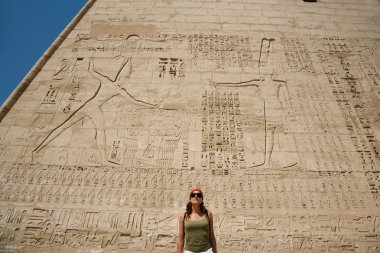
x: 196, y: 209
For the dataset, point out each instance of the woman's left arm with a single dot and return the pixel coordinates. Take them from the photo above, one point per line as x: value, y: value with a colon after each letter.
x: 212, y: 234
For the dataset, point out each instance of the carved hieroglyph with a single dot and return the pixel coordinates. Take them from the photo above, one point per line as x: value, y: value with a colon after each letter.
x: 280, y: 131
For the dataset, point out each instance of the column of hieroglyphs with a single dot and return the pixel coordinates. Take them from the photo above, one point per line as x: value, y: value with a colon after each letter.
x: 271, y: 107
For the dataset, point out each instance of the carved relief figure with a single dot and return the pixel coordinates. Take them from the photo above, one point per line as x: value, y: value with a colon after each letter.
x: 107, y: 89
x: 274, y: 93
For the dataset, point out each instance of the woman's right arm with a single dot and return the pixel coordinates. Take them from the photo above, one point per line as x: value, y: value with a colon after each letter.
x: 180, y: 241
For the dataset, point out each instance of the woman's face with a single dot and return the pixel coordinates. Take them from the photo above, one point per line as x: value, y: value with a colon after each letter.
x: 196, y: 197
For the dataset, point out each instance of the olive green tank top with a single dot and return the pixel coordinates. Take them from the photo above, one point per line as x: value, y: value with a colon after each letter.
x: 197, y: 237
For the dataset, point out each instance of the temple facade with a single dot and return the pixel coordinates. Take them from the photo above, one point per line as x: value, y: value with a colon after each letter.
x: 271, y: 107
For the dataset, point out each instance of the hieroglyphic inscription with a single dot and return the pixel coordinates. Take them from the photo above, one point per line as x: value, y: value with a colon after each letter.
x: 222, y: 133
x: 171, y: 68
x: 372, y: 74
x: 106, y: 187
x: 110, y: 230
x: 297, y: 55
x: 352, y: 100
x: 75, y: 228
x: 73, y: 89
x: 337, y: 45
x: 305, y: 233
x: 348, y: 95
x: 51, y: 96
x: 224, y: 50
x: 185, y: 154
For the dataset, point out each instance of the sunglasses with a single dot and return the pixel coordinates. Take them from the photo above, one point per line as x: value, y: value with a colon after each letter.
x: 196, y: 194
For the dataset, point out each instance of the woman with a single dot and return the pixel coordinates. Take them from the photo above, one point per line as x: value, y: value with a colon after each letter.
x: 196, y: 232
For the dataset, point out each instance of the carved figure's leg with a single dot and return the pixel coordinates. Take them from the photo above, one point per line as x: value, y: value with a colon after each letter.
x: 269, y: 143
x: 74, y: 118
x: 97, y: 118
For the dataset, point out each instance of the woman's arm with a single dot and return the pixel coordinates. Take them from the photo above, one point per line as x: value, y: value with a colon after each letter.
x: 212, y: 235
x: 180, y: 241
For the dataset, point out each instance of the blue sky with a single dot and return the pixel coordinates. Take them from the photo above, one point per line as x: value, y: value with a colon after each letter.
x: 27, y: 29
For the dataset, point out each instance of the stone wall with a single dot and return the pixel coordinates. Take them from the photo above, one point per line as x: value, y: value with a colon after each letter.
x: 270, y: 107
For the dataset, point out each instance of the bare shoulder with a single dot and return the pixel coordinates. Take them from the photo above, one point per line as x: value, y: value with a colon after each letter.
x: 180, y: 217
x: 209, y: 213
